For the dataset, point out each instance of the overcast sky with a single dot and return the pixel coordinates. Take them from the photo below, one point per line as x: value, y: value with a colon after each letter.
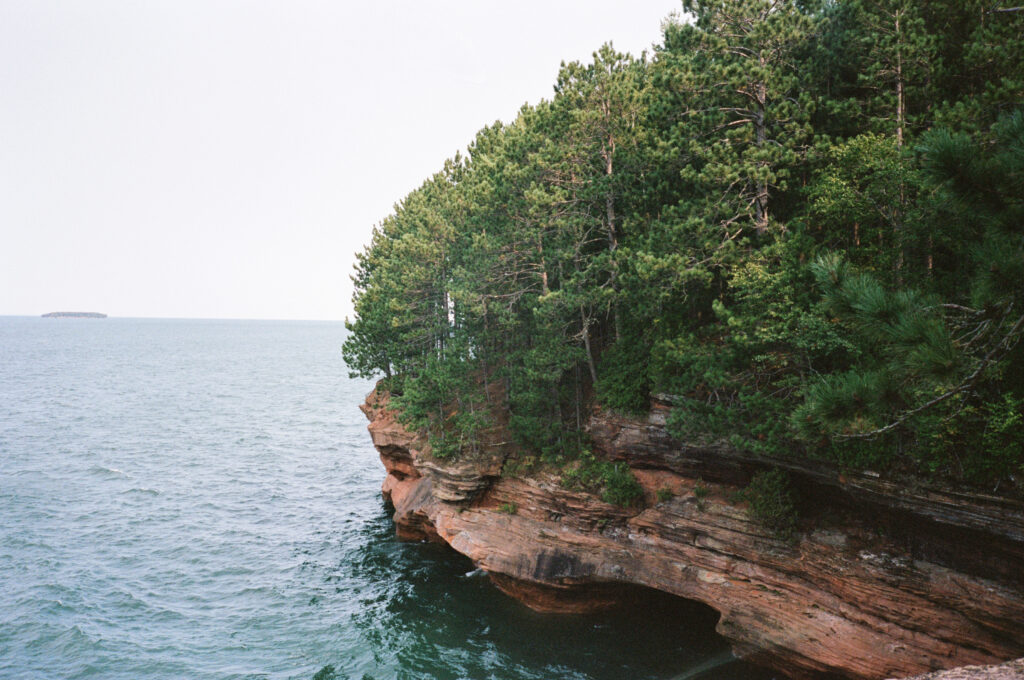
x: 219, y: 158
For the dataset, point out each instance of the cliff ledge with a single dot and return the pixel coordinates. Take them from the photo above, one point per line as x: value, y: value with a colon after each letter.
x: 882, y: 581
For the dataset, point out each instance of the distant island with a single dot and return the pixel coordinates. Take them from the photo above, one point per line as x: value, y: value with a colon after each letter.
x: 74, y: 315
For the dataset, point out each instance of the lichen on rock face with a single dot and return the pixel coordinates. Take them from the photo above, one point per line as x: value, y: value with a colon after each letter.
x: 840, y: 597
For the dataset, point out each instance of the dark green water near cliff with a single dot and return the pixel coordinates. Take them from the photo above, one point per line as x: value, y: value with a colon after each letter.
x: 200, y: 499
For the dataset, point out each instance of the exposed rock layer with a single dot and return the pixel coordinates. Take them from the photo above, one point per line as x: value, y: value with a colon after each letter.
x: 883, y: 581
x: 1011, y: 670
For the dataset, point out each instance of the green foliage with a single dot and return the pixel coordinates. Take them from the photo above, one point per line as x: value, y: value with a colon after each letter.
x: 444, y: 399
x: 620, y: 486
x: 1002, y: 440
x: 771, y: 500
x: 931, y: 380
x: 508, y: 508
x: 664, y: 494
x: 613, y: 481
x: 800, y: 221
x: 700, y: 492
x: 746, y: 422
x: 912, y: 352
x: 995, y: 427
x: 326, y: 673
x: 866, y: 203
x: 622, y: 383
x: 746, y: 102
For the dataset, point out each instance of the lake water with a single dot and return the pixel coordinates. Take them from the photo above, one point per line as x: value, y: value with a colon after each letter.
x: 200, y: 499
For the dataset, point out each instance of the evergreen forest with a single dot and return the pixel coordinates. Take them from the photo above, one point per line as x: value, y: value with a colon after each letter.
x: 799, y: 224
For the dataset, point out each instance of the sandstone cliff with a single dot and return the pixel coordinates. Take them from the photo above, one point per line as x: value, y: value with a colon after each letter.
x: 882, y: 580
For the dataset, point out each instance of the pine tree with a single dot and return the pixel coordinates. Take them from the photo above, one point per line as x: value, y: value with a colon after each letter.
x: 603, y: 103
x: 745, y: 93
x: 921, y: 353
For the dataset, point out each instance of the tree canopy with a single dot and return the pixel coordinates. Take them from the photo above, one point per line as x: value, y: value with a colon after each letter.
x: 799, y: 222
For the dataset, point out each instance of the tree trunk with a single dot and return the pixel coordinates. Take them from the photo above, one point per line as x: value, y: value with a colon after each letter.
x: 579, y: 419
x: 483, y: 357
x: 586, y: 344
x: 543, y: 266
x: 900, y: 105
x: 613, y: 239
x: 900, y: 119
x: 761, y: 196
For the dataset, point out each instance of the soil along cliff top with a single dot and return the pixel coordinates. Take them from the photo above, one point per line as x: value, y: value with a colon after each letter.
x: 869, y: 580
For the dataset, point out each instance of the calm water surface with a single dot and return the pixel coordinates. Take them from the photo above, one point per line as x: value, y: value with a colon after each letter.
x: 200, y: 499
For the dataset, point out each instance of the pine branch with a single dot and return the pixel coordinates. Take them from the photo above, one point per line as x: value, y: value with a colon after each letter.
x: 1006, y: 344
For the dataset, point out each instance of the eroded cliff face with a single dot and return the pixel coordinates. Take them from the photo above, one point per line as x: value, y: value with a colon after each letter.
x: 882, y: 581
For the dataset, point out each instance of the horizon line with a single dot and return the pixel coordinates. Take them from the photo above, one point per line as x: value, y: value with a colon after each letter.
x: 177, y: 318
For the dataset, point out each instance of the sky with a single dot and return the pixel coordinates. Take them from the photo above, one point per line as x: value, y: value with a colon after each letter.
x: 228, y: 158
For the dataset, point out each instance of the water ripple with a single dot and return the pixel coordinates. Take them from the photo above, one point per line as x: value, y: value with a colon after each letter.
x: 199, y: 499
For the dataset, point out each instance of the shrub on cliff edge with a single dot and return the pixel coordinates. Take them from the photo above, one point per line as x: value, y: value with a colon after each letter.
x: 614, y: 481
x: 771, y: 502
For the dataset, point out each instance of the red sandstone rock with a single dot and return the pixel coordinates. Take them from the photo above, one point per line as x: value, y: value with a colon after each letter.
x: 839, y: 599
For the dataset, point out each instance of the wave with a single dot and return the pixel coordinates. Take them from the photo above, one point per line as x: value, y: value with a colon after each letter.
x: 142, y: 490
x: 111, y: 472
